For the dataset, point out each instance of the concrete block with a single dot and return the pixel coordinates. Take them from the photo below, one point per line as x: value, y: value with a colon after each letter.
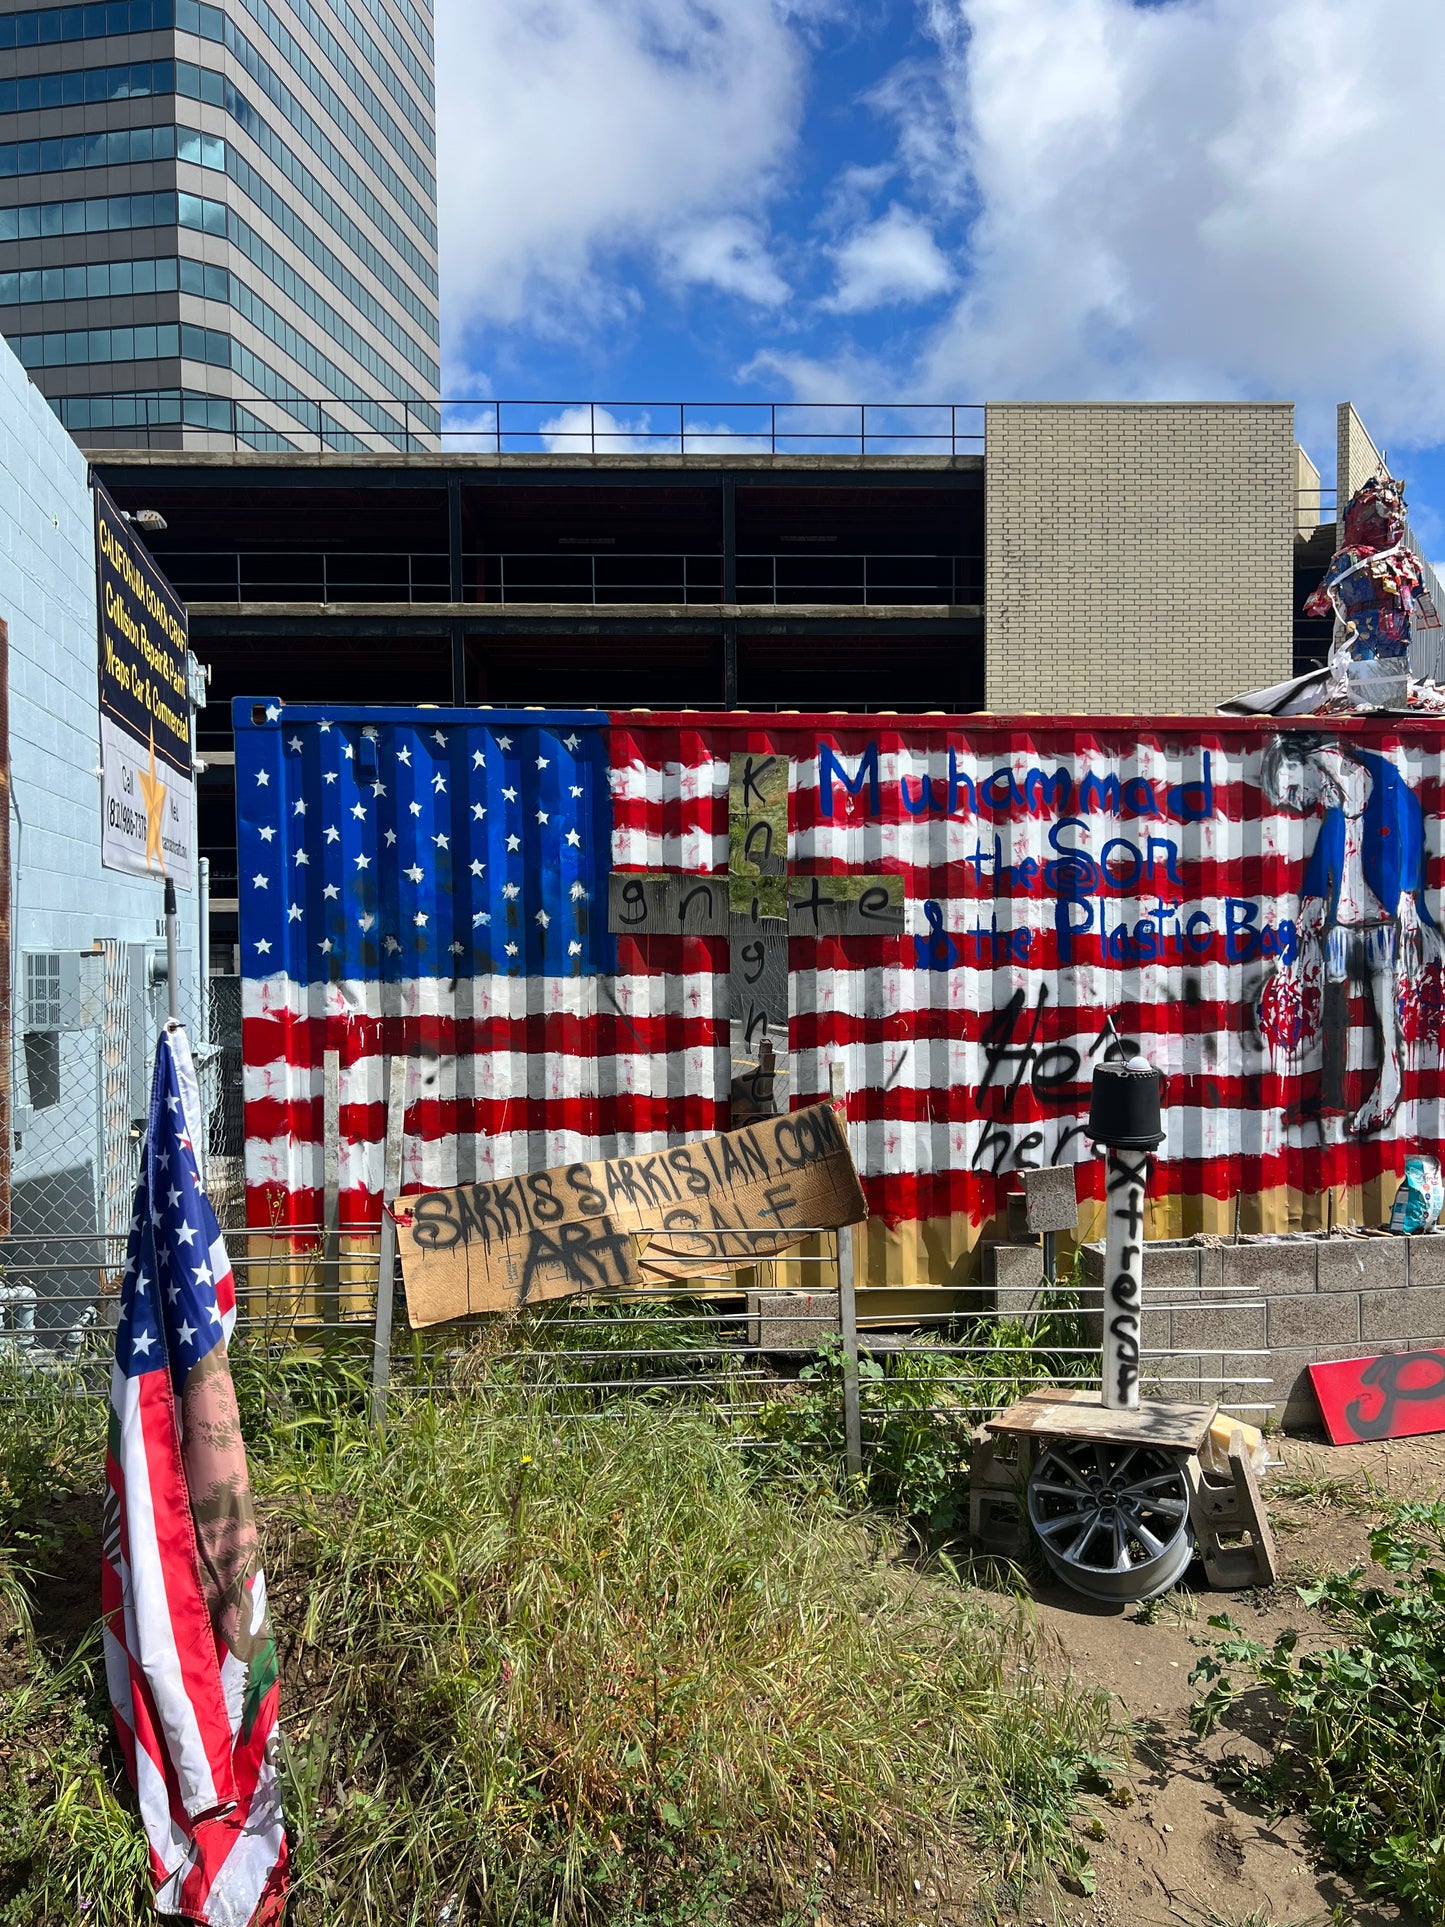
x: 1013, y: 1276
x: 1237, y: 1382
x: 1425, y: 1258
x: 1320, y: 1319
x: 787, y: 1321
x: 1050, y: 1198
x: 1220, y: 1327
x: 1286, y: 1267
x: 1415, y: 1311
x: 1362, y: 1264
x: 1176, y: 1375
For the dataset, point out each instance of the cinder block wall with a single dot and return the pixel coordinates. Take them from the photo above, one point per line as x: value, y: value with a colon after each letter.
x: 1139, y: 555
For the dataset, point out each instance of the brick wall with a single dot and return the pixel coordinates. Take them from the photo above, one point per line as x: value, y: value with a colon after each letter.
x: 1356, y: 459
x: 1139, y: 556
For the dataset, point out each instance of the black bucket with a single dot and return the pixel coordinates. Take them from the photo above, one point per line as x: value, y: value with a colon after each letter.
x: 1124, y: 1107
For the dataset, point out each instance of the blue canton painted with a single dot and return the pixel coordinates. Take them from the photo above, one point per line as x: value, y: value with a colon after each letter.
x: 422, y: 844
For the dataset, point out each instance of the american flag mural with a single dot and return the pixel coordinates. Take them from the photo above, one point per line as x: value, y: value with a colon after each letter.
x: 1255, y: 904
x: 189, y: 1658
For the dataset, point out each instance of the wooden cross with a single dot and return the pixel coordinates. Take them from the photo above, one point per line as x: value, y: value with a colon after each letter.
x: 758, y: 904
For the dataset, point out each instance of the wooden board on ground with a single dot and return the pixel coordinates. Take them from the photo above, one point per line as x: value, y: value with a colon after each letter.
x: 1398, y: 1396
x: 695, y: 1209
x: 1056, y: 1412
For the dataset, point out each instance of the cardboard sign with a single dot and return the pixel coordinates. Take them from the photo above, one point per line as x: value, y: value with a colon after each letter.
x: 584, y: 1227
x: 1398, y: 1396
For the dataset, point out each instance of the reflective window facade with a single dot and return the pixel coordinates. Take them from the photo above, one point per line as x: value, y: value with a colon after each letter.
x: 217, y: 226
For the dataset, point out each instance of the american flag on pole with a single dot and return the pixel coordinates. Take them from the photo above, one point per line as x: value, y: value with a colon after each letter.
x: 1255, y: 904
x: 190, y: 1661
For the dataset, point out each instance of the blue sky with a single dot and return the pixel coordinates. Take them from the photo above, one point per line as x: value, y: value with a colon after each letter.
x: 951, y: 200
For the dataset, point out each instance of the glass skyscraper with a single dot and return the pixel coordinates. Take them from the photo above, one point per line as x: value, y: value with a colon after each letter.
x: 218, y: 223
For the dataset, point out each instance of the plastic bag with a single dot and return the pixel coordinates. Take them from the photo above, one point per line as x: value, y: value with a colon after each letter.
x: 1214, y: 1453
x: 1420, y: 1196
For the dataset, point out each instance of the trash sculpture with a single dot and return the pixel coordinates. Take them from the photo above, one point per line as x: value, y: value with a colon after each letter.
x: 1373, y: 585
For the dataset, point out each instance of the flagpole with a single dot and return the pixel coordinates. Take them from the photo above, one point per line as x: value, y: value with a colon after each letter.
x: 173, y: 986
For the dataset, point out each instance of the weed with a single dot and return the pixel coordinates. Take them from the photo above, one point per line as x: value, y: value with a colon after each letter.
x: 1363, y: 1743
x: 536, y: 1670
x: 1328, y: 1491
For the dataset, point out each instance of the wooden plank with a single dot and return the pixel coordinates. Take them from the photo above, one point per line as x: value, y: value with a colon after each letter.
x: 1057, y: 1412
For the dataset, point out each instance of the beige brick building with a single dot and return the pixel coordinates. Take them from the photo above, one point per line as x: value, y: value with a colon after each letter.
x: 1139, y: 557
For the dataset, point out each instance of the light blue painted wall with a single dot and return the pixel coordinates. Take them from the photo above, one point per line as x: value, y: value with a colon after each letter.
x: 62, y: 900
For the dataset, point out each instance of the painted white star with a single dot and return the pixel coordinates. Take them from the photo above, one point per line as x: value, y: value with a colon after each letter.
x: 403, y: 755
x: 378, y: 789
x: 299, y: 808
x: 511, y: 950
x: 441, y: 841
x: 478, y: 760
x: 203, y: 1273
x: 504, y: 742
x: 349, y: 751
x: 477, y: 867
x: 325, y: 724
x: 482, y: 916
x: 514, y: 843
x: 574, y: 839
x: 542, y: 817
x: 543, y: 918
x: 366, y: 921
x: 571, y: 742
x: 438, y: 737
x: 186, y: 1332
x: 185, y: 1234
x: 439, y: 784
x: 263, y: 947
x: 295, y: 744
x: 263, y: 779
x: 293, y: 915
x: 390, y: 838
x: 574, y: 949
x: 577, y: 891
x: 390, y: 944
x: 358, y: 810
x: 511, y: 795
x: 576, y: 789
x: 333, y: 835
x: 479, y: 810
x: 456, y: 948
x: 267, y: 832
x: 420, y: 919
x: 510, y: 890
x: 331, y: 892
x: 363, y: 862
x: 329, y: 777
x: 143, y: 1343
x: 416, y: 873
x: 415, y: 808
x: 273, y: 714
x: 325, y: 946
x: 542, y: 762
x: 301, y: 857
x: 260, y: 882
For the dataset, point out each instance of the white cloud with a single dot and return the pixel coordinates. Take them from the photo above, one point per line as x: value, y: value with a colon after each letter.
x: 572, y: 128
x: 892, y: 261
x: 590, y: 429
x: 1198, y: 199
x: 730, y: 255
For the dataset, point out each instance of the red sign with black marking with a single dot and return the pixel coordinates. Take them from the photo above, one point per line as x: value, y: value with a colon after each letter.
x: 1398, y: 1396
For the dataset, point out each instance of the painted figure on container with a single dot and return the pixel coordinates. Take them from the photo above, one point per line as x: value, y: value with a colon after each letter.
x: 1372, y: 586
x: 1363, y: 920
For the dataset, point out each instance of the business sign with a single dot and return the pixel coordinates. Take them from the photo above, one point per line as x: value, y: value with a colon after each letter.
x: 147, y: 812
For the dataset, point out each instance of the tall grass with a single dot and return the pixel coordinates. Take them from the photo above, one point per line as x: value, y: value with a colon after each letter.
x: 602, y: 1667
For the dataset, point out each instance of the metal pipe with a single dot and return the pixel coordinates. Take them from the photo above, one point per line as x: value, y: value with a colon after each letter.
x: 173, y: 975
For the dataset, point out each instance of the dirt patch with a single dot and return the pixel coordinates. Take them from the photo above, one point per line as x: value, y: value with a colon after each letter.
x: 1187, y: 1849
